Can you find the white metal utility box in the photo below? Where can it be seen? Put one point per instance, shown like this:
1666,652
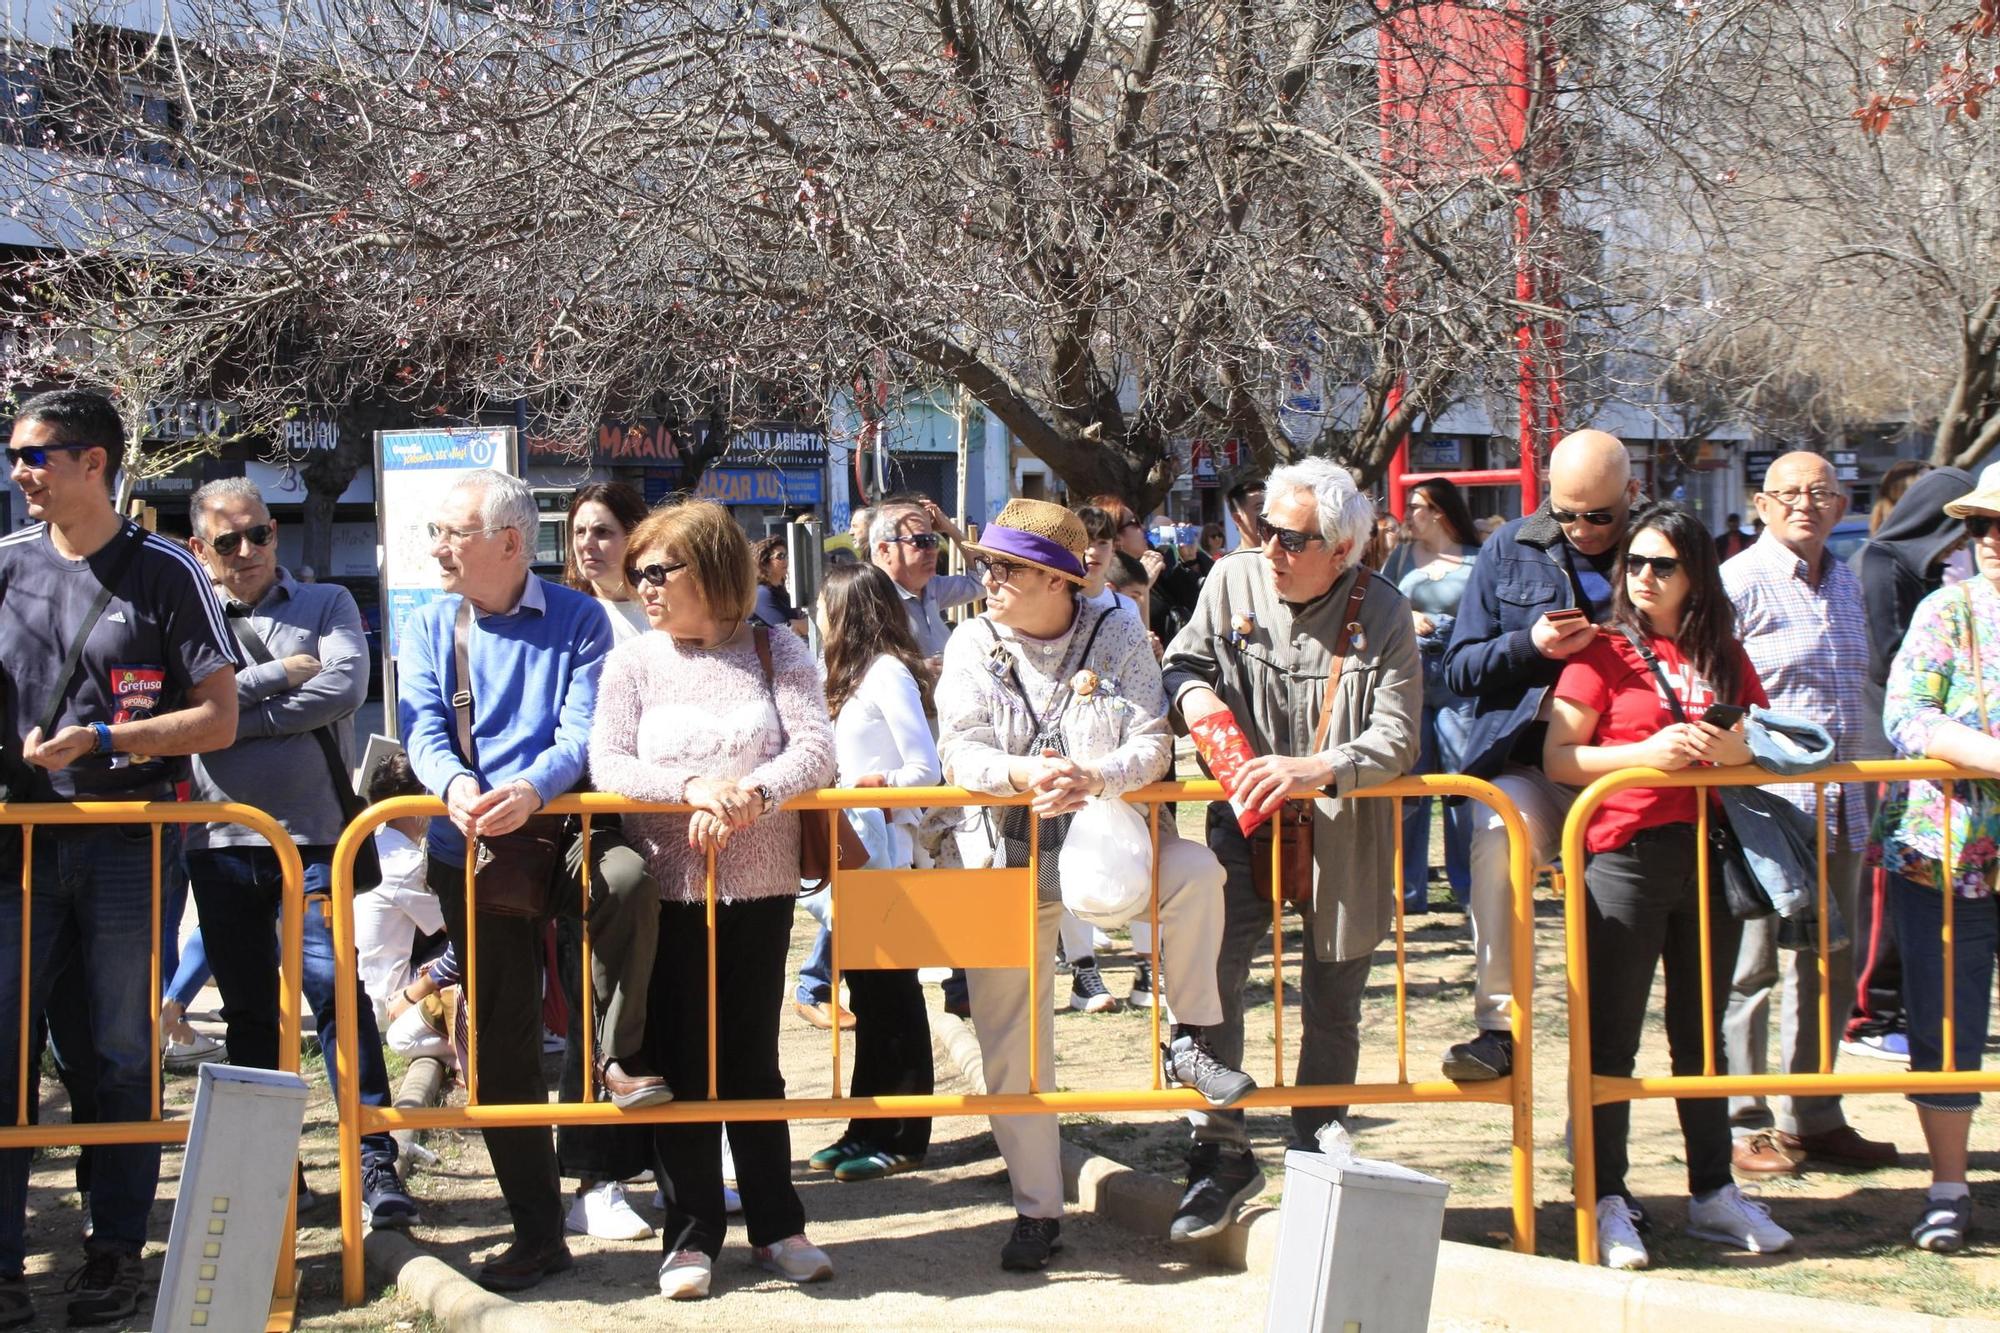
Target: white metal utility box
1357,1247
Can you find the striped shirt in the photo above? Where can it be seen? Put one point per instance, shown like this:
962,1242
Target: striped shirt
1810,648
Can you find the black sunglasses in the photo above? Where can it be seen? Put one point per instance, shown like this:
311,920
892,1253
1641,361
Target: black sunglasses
37,455
653,574
229,542
1293,542
1978,525
923,541
1663,566
1597,518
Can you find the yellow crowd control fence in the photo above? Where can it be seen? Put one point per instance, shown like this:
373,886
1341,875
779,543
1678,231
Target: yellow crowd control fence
158,814
1589,1090
934,918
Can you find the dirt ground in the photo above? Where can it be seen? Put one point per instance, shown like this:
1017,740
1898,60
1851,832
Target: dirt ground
908,1246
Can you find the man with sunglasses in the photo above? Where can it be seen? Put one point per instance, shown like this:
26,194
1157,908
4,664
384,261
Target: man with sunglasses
306,671
109,715
1516,627
1800,615
904,543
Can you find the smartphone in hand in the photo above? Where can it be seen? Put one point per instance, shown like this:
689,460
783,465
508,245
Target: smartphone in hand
1724,716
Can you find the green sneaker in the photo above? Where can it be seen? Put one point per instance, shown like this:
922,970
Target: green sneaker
828,1159
874,1166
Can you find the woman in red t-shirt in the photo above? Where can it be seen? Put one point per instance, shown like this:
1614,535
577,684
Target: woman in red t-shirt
1611,713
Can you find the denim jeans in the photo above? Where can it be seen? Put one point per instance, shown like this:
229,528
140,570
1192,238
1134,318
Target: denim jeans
98,882
1919,916
184,967
239,893
816,973
1439,755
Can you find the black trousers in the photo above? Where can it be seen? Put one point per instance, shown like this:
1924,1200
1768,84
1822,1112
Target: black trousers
892,1055
509,1014
1642,908
751,939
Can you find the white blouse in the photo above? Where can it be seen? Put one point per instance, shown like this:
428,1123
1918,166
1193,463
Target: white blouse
882,729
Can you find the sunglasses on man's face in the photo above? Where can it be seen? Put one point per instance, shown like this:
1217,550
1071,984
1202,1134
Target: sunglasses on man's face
653,575
37,455
229,543
1663,566
1597,518
923,541
1293,542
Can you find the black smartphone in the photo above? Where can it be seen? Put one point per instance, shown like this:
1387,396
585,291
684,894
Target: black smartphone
1724,715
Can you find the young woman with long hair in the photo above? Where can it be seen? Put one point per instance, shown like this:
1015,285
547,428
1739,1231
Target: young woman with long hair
1672,627
601,518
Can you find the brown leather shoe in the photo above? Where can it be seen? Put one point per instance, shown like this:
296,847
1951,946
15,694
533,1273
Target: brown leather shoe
630,1091
1762,1155
822,1016
1840,1147
517,1268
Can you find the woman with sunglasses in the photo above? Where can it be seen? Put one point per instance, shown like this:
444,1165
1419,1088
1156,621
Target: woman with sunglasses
1443,544
1672,627
1942,700
709,711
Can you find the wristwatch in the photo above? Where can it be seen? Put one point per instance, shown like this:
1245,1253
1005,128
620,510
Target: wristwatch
764,795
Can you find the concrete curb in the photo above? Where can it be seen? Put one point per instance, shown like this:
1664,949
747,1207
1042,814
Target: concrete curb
449,1296
1474,1282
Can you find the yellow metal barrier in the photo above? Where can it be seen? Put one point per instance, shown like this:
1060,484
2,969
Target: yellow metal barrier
954,917
21,1134
1589,1090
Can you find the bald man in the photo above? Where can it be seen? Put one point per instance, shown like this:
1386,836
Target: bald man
1506,651
1801,617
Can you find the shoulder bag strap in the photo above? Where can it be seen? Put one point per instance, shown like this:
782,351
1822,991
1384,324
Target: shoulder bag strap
74,656
329,746
1350,628
461,699
1972,652
1645,650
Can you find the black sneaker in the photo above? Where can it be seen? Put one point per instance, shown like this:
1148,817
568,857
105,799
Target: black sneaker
1219,1183
1088,992
1489,1055
385,1204
106,1287
1142,986
1033,1241
15,1307
1188,1063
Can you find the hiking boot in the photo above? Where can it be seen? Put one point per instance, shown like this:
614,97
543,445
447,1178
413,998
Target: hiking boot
1188,1063
1219,1182
106,1287
1088,992
1142,986
1033,1242
1489,1055
385,1204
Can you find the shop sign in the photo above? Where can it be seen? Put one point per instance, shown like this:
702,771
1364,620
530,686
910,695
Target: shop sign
772,487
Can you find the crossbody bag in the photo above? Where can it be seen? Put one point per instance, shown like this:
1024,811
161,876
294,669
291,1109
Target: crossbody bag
514,873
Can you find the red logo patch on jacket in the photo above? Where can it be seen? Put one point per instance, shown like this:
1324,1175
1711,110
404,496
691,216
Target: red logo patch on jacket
135,692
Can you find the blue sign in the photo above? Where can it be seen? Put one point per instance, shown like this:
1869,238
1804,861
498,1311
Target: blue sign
776,488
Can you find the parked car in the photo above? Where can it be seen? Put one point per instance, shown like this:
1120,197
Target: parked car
1846,537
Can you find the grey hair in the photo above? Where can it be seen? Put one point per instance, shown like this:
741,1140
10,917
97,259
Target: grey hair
504,502
882,528
219,491
1345,514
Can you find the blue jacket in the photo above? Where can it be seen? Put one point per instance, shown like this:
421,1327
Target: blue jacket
1520,575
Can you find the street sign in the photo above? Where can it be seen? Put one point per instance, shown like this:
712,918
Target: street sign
423,466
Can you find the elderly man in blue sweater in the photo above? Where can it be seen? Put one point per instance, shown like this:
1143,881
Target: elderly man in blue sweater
533,650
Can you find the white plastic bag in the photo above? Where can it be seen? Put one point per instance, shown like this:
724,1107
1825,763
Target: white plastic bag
1106,863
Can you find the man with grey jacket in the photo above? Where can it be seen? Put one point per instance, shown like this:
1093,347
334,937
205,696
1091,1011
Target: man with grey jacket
1265,635
307,670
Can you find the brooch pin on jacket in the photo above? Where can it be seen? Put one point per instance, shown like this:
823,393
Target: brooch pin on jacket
1241,626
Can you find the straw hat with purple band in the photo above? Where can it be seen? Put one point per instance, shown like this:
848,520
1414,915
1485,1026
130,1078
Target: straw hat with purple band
1038,533
1983,498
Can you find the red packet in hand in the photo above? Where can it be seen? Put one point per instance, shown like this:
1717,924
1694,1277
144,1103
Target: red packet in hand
1224,750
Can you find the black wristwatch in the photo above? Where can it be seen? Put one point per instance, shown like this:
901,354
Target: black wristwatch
764,795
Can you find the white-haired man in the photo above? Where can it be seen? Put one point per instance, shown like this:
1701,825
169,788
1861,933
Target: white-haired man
1327,711
903,541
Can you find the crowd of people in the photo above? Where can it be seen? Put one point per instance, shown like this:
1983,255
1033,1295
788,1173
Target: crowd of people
669,665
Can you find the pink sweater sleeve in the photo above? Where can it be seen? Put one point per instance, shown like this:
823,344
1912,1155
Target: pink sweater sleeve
615,765
807,761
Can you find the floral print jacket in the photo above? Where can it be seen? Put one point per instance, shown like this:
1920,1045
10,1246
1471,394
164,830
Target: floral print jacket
1931,683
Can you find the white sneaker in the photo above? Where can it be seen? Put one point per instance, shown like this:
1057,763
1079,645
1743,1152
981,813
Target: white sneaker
1618,1243
181,1057
684,1276
795,1259
604,1212
1729,1218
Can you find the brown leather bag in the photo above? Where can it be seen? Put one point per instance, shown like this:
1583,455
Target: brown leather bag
513,874
1292,826
815,866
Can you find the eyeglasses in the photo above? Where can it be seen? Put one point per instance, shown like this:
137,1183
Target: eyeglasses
923,541
1663,566
1597,518
1817,497
997,572
229,543
1977,526
1293,542
440,533
655,575
37,455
